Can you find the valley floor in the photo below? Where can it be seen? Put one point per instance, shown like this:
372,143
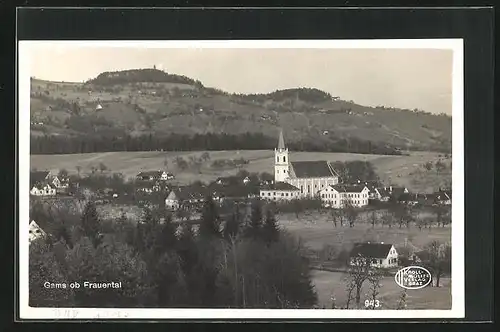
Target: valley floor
405,171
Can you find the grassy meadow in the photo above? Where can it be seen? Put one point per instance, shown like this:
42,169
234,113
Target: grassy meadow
399,170
328,284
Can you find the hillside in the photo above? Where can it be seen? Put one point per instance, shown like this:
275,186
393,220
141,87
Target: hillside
150,101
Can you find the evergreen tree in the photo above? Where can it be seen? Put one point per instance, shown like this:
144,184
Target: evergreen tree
210,221
254,225
166,239
270,228
232,226
90,223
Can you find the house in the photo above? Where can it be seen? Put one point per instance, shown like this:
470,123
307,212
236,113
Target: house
442,198
228,181
42,189
380,255
384,194
147,187
221,193
184,195
154,176
35,232
61,184
279,191
341,195
246,180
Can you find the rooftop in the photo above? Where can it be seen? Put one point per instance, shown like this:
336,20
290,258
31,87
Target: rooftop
349,188
312,169
371,250
280,186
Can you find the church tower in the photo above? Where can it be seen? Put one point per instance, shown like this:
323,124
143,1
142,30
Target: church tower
281,163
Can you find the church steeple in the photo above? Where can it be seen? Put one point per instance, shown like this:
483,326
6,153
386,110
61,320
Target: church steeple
281,141
281,165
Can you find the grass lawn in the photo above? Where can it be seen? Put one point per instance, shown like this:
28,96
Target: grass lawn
317,232
328,284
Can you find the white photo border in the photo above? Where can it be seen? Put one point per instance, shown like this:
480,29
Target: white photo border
458,259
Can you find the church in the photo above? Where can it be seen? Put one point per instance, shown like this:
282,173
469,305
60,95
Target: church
300,179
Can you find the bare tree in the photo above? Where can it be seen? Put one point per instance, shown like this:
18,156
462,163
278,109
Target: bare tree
402,300
437,258
102,167
360,270
351,214
374,278
373,218
78,169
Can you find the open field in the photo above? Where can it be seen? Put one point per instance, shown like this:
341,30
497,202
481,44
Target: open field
318,232
330,284
399,170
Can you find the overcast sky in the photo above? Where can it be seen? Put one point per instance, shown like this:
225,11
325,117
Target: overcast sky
407,78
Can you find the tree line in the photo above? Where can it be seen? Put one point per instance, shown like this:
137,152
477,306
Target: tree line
52,144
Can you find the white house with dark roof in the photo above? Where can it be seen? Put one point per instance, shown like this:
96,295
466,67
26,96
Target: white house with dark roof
279,191
341,195
310,177
381,255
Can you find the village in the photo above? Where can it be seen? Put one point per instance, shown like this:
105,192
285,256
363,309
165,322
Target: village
295,186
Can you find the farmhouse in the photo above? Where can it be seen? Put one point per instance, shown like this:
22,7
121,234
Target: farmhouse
40,184
182,195
279,191
379,255
35,231
342,195
384,194
154,175
308,176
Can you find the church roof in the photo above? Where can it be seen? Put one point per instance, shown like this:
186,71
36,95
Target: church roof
281,141
312,169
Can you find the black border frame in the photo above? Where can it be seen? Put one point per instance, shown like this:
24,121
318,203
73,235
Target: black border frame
475,26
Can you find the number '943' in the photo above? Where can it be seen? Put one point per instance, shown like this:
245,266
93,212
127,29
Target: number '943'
372,304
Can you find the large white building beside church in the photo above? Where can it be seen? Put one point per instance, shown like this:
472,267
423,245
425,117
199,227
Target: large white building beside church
308,177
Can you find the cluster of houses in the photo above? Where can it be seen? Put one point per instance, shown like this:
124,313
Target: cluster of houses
43,183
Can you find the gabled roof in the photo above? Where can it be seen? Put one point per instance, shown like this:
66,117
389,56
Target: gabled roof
371,250
41,185
312,169
349,188
228,180
38,177
441,196
187,193
280,186
391,191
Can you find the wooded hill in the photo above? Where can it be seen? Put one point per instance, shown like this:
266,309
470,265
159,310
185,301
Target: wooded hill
142,103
